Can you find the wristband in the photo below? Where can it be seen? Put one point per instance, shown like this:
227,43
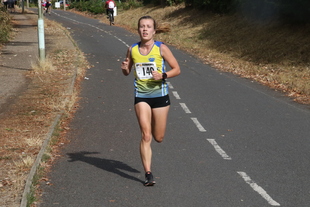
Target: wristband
164,76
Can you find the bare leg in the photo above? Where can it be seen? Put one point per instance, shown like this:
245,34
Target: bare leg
159,122
152,122
144,115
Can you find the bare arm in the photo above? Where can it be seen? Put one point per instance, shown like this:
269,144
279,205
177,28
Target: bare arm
127,63
172,62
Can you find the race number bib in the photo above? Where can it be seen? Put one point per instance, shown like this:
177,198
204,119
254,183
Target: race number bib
144,70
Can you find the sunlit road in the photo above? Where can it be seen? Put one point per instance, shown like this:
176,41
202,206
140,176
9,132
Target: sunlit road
230,142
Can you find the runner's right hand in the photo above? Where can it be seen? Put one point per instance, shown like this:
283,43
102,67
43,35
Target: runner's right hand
125,64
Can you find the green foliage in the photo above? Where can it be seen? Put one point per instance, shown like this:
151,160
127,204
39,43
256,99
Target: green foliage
5,25
130,4
97,6
283,10
218,6
163,2
94,6
295,11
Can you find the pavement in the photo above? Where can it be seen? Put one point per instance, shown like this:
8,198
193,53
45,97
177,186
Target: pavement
17,57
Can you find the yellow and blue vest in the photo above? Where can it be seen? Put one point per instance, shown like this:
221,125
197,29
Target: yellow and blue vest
145,85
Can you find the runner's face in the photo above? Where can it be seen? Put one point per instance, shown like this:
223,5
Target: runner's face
146,29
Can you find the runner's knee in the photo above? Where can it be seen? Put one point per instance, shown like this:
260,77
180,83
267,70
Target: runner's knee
147,137
159,139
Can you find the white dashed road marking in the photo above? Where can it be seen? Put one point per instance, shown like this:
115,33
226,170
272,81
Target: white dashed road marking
176,95
258,189
199,126
219,149
184,107
246,178
170,85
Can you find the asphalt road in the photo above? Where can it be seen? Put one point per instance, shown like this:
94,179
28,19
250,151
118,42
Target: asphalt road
230,142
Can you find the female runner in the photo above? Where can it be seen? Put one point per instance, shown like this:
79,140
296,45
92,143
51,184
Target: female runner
152,102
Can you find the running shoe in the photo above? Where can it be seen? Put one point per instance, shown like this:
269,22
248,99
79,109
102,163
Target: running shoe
149,180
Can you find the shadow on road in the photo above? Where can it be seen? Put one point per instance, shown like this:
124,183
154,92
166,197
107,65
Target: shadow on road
112,166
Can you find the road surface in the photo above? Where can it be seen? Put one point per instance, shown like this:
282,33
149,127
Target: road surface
229,141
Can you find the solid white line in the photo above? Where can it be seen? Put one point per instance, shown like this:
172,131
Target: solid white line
219,149
176,95
199,126
184,107
258,189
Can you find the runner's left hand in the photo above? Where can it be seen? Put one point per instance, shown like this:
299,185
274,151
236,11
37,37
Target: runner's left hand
156,75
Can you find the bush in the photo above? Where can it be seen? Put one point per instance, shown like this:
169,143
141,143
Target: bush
283,10
5,25
163,2
95,7
130,4
218,6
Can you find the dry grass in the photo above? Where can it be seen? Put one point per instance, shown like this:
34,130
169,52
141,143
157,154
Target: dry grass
273,54
24,127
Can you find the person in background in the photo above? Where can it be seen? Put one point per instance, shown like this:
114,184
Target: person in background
152,102
109,5
5,3
11,5
43,3
48,7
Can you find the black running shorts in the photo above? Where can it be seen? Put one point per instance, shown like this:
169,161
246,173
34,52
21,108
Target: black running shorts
155,102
